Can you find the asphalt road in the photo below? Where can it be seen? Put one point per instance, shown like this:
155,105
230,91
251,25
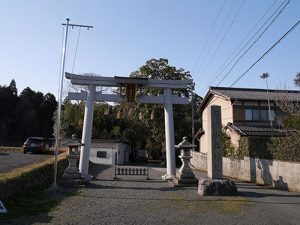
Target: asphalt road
12,160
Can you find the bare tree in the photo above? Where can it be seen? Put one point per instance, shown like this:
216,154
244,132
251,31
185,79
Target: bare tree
297,79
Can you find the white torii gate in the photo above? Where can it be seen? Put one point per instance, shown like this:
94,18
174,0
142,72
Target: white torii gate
90,96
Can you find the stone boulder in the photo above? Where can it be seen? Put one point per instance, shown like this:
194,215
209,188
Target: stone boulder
216,187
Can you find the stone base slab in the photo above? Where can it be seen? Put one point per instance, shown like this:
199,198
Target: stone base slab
184,182
217,187
71,183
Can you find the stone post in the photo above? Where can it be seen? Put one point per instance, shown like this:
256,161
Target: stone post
215,184
214,154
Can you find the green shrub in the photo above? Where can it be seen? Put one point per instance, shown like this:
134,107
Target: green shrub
227,146
254,147
29,178
285,148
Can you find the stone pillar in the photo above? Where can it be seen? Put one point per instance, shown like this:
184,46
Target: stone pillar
214,154
169,132
87,133
215,184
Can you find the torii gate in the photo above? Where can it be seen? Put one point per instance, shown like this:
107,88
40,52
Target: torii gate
90,96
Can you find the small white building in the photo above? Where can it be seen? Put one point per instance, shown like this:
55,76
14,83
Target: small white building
109,152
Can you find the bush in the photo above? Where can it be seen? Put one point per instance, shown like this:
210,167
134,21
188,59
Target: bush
29,178
227,146
285,148
255,147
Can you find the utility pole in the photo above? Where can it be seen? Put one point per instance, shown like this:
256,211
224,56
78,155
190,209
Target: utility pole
57,136
193,116
265,76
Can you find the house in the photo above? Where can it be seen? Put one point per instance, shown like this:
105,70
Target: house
109,152
247,112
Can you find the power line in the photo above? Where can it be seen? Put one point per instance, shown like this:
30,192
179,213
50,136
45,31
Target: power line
208,36
273,46
232,67
76,49
222,68
219,31
224,36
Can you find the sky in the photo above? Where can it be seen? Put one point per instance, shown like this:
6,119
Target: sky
200,36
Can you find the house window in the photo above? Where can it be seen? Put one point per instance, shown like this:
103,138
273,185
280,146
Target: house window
255,114
101,154
259,114
264,114
248,114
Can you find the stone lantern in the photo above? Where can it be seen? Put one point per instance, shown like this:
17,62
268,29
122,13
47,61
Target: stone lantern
185,175
72,175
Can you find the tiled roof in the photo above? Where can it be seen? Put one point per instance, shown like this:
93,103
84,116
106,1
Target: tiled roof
256,94
250,94
245,130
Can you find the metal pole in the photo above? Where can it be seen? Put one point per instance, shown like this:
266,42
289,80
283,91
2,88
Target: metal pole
269,103
193,117
265,76
57,138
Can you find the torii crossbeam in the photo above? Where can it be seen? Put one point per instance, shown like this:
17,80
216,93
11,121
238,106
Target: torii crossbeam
90,96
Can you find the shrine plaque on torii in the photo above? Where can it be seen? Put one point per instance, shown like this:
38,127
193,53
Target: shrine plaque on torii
131,85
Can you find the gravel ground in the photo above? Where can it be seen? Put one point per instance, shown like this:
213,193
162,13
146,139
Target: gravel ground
12,160
135,200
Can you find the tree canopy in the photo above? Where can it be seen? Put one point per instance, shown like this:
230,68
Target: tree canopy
29,114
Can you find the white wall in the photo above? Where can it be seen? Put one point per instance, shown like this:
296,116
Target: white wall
106,161
279,174
199,160
122,154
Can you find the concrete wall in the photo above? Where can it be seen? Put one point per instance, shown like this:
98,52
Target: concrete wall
199,160
280,174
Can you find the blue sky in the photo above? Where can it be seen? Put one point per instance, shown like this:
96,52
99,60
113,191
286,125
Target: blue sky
127,33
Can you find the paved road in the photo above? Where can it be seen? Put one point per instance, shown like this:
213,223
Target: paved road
131,201
12,160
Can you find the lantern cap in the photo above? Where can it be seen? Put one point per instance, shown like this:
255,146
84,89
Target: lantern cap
185,144
74,142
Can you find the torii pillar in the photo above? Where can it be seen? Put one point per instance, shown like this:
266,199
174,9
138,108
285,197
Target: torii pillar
169,132
87,133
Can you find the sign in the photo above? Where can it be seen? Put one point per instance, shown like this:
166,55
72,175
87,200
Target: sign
130,92
2,208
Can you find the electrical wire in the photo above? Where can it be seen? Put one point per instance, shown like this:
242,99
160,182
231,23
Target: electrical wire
225,65
208,36
224,36
273,46
76,49
219,31
232,67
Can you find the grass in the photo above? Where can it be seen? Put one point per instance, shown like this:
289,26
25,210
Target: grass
29,205
222,204
19,171
11,149
32,204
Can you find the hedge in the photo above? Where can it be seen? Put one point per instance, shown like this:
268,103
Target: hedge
277,148
36,176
